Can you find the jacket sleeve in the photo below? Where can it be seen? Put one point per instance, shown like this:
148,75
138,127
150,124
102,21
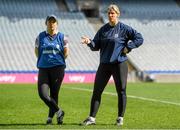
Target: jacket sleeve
95,43
135,39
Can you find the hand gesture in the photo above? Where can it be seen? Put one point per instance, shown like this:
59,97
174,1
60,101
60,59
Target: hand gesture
125,51
85,40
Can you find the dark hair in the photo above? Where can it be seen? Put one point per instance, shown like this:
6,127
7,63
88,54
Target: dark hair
49,17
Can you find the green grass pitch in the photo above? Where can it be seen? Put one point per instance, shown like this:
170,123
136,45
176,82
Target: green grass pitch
149,106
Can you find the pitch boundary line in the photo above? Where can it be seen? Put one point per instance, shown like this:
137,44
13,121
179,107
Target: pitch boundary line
129,96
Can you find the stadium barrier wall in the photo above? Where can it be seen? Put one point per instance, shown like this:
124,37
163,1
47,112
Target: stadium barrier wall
32,78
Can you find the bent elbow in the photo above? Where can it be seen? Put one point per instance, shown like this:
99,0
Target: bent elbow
66,52
141,41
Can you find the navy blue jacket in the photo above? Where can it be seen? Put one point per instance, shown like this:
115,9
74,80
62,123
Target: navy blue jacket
111,40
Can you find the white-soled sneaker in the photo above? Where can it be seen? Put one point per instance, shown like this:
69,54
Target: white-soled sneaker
119,121
89,121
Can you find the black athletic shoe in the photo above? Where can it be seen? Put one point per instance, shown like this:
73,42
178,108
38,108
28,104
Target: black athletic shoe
49,122
60,118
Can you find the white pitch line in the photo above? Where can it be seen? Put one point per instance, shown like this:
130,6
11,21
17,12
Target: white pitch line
130,96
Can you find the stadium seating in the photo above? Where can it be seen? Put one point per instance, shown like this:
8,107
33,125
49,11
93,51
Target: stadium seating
22,21
159,23
71,4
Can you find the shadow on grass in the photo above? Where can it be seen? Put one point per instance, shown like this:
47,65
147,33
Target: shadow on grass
36,124
22,124
64,124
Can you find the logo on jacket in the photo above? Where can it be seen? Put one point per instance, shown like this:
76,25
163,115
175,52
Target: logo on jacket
116,35
57,46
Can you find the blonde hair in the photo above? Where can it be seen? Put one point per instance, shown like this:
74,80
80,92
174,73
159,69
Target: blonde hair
115,8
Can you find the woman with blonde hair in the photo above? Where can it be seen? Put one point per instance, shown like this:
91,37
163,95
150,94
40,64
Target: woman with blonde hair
114,40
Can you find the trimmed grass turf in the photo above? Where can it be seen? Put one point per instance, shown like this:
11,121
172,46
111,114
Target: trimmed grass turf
20,107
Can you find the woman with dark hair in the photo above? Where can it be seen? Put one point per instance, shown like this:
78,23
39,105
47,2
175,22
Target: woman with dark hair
51,49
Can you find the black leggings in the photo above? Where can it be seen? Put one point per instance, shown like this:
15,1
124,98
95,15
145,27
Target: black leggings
119,72
50,78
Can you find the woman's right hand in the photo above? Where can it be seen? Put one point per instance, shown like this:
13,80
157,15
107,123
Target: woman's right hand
85,40
125,50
